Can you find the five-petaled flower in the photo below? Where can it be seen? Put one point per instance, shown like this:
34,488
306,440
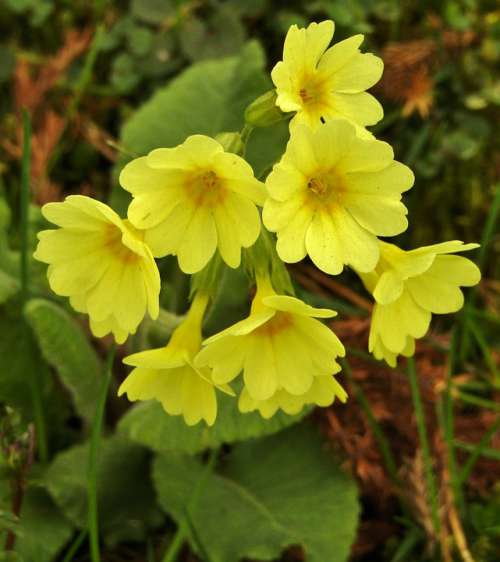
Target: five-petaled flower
101,263
332,194
280,345
320,84
193,199
408,286
167,374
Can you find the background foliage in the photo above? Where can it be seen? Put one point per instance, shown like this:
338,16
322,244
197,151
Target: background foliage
104,81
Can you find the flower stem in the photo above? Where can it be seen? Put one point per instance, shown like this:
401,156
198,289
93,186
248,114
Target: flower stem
25,202
36,393
183,528
424,443
93,459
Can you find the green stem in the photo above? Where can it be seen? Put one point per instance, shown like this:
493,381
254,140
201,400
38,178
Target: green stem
93,458
478,401
378,433
36,393
477,452
424,443
183,528
25,202
446,417
68,557
485,350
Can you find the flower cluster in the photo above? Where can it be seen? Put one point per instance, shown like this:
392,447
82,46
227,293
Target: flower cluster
333,193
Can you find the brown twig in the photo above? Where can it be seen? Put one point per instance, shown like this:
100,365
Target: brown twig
334,286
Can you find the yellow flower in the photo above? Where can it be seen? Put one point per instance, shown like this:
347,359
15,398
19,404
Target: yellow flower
168,375
101,263
320,84
193,199
279,346
408,287
323,392
332,194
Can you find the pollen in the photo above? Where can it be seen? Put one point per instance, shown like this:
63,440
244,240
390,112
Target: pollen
328,187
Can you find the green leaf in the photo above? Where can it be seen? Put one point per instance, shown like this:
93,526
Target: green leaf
152,11
208,98
20,362
274,492
148,424
44,530
66,348
220,34
126,500
9,286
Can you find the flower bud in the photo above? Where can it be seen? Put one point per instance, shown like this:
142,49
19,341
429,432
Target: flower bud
231,142
263,111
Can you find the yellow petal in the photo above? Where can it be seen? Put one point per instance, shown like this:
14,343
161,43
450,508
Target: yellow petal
304,47
361,73
339,55
238,177
243,327
389,287
259,373
323,245
366,156
285,182
199,241
291,244
361,108
296,306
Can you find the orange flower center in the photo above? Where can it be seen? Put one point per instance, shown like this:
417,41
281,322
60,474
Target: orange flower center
205,188
328,187
277,324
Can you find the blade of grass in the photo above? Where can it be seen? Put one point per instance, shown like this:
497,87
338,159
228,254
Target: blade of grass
378,433
95,440
183,528
72,550
489,229
424,443
79,89
446,419
36,392
478,401
412,537
25,202
487,452
486,237
483,346
477,451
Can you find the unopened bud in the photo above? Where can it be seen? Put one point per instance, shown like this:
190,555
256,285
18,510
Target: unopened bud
231,142
263,111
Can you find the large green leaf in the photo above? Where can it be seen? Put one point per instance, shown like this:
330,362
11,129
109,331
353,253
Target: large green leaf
207,98
274,492
148,424
20,363
66,348
126,499
43,529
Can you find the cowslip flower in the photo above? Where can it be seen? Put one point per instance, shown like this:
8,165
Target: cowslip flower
280,345
194,199
323,392
410,286
332,194
320,84
168,374
101,263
